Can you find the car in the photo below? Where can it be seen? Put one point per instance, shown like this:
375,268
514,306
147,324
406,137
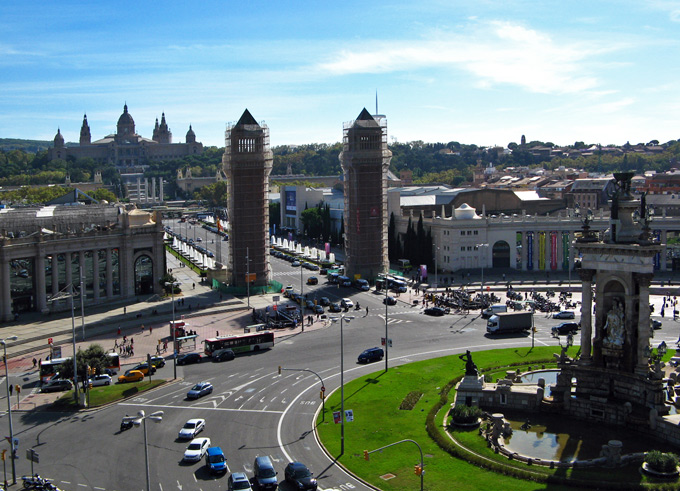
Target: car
309,304
334,307
566,328
223,355
110,372
656,324
436,311
390,300
99,380
199,240
57,385
189,358
370,355
144,368
362,285
312,280
297,474
325,301
264,474
199,390
131,376
215,460
238,481
318,309
346,303
295,264
565,314
288,291
323,271
191,428
158,361
196,449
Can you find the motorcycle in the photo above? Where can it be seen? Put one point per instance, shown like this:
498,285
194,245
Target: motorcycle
37,482
126,424
357,307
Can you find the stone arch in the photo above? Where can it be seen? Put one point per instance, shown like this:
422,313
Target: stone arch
500,254
143,273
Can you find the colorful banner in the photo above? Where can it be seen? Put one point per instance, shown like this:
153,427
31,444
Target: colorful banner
423,272
541,251
657,256
327,247
291,204
530,251
565,251
553,250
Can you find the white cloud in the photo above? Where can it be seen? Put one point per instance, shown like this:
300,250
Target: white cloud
670,6
494,52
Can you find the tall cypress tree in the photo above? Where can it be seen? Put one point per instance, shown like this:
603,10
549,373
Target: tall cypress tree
408,241
421,252
392,240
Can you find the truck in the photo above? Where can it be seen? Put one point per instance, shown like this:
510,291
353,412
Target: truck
504,322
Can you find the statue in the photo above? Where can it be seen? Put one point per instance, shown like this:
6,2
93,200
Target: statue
614,327
470,367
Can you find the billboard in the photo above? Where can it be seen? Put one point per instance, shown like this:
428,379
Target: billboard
291,202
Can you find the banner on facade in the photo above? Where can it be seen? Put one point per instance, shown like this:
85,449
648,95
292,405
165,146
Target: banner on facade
565,251
530,251
553,250
541,251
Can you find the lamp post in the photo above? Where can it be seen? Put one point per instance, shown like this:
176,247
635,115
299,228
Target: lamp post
387,339
248,274
9,404
174,333
481,262
140,419
342,318
59,296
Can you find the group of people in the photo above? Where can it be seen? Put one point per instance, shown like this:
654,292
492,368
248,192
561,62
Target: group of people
125,348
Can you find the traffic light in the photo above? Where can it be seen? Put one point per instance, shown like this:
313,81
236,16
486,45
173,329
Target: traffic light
322,393
366,456
418,470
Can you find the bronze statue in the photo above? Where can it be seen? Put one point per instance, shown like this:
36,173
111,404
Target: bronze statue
470,367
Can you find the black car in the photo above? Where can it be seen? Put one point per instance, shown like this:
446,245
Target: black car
370,355
299,476
223,355
324,301
436,311
390,301
57,385
189,358
334,307
566,328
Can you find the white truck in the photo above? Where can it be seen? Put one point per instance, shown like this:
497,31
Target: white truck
504,322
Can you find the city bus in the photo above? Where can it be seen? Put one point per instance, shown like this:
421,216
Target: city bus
240,343
49,368
394,283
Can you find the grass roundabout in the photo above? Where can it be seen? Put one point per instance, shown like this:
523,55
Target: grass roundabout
411,402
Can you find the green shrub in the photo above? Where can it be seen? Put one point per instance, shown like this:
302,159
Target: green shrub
410,400
661,462
462,414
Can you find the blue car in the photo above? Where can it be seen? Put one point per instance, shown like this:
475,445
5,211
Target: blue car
199,390
215,460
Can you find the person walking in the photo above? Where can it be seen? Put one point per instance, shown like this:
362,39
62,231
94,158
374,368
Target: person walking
35,362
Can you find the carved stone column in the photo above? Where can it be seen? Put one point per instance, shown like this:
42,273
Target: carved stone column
109,274
644,326
586,315
5,290
95,274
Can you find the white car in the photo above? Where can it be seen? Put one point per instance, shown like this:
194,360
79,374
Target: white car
98,380
191,428
346,302
196,449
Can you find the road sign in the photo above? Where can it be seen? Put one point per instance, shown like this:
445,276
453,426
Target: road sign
32,455
276,298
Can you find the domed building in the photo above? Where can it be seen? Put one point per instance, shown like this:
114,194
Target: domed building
125,148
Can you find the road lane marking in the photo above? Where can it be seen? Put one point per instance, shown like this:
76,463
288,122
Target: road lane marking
165,406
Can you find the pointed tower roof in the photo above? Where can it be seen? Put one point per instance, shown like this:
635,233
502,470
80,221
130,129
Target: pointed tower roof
246,119
58,136
365,120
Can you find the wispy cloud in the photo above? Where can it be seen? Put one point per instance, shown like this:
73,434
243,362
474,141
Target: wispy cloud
670,6
494,52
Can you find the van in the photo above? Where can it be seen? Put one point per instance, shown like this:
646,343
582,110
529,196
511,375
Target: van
362,285
370,355
494,309
215,460
333,278
264,474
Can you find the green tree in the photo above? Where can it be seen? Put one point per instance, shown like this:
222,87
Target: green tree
93,357
104,194
312,222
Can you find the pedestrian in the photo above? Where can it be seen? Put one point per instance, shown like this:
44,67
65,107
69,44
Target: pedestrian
39,362
150,329
132,341
124,339
124,310
35,362
142,328
119,330
217,334
115,343
194,286
366,309
11,389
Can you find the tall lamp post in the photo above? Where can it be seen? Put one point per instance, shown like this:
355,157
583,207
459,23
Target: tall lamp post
342,318
138,420
174,333
387,339
59,296
9,404
482,261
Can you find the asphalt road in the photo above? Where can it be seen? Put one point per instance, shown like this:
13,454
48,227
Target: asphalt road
253,410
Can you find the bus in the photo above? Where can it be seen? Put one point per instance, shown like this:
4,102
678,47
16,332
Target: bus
394,283
240,343
50,368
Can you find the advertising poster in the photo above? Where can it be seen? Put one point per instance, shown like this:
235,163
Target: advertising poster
290,202
565,249
337,417
327,247
541,251
349,415
553,250
530,251
423,272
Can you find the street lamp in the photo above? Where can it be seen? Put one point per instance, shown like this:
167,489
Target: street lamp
334,319
9,404
174,333
140,419
482,260
59,296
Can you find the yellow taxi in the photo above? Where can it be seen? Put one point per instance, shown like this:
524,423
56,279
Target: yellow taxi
131,376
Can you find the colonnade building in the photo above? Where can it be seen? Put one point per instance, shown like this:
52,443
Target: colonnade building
116,253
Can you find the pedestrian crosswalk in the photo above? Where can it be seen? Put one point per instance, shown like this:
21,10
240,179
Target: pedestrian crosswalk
392,320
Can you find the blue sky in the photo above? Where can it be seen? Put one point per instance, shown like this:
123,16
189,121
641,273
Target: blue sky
482,72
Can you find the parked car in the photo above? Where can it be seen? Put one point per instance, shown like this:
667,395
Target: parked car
656,324
189,358
295,264
199,390
334,307
323,271
215,460
390,301
312,280
318,309
325,301
57,385
158,361
196,449
223,355
566,328
297,474
144,368
99,380
191,428
346,303
436,311
131,376
565,314
238,481
370,355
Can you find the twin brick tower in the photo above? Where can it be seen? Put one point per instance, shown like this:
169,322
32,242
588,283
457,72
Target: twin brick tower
247,162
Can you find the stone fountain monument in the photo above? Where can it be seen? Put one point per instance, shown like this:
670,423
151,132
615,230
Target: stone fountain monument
612,382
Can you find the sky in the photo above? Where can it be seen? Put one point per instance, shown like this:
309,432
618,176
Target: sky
483,72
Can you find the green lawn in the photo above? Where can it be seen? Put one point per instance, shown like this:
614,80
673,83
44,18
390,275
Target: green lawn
378,421
100,396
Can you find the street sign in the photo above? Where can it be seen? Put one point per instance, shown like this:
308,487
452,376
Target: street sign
49,340
32,455
337,417
276,298
349,415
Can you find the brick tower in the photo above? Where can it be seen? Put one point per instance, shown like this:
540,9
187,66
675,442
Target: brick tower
247,163
365,160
